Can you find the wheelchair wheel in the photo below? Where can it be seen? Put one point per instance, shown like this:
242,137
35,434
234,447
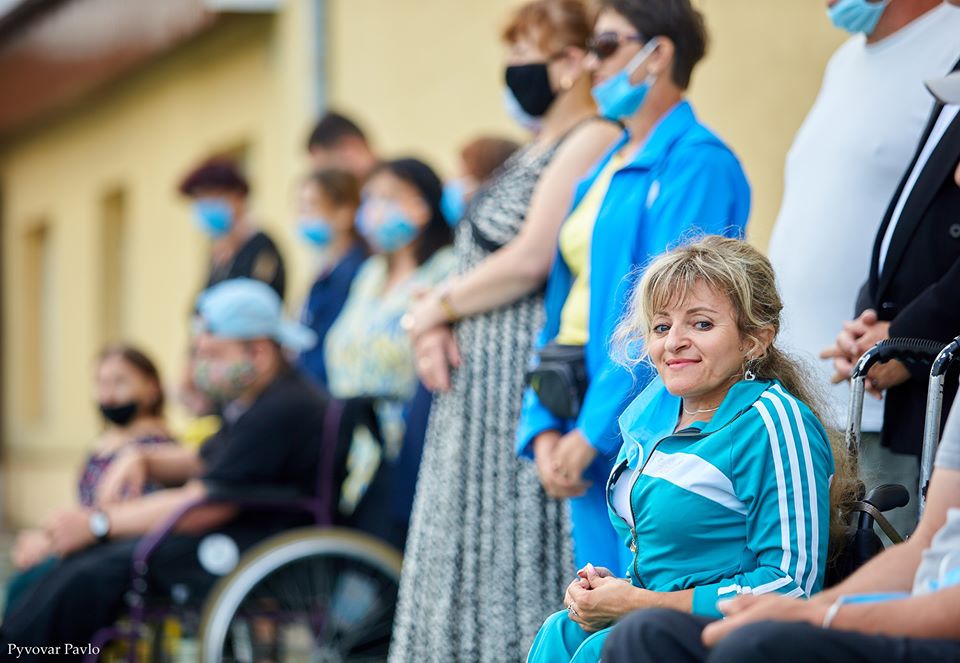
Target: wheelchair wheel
308,595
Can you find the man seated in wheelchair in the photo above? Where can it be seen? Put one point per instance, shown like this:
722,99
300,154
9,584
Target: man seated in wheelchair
273,421
722,485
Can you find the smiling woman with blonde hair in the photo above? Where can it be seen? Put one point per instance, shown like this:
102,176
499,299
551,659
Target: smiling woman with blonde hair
722,485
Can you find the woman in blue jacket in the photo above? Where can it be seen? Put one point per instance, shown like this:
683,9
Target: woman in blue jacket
723,483
669,177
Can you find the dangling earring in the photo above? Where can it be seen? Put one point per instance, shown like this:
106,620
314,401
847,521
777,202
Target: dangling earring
748,375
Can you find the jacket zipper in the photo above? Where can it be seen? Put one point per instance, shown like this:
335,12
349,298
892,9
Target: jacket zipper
634,545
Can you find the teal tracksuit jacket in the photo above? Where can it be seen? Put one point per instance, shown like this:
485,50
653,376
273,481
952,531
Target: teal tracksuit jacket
738,505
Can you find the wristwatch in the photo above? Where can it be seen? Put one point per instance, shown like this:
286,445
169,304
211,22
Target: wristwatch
99,524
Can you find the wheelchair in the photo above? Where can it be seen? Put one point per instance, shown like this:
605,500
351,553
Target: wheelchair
323,593
861,541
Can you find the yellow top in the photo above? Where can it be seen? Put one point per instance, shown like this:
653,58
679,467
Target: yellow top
198,430
575,236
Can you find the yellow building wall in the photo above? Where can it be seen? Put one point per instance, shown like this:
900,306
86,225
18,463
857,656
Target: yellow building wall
245,85
423,76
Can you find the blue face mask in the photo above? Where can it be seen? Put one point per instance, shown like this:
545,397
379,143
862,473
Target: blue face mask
857,15
213,216
315,231
518,115
453,203
388,234
616,97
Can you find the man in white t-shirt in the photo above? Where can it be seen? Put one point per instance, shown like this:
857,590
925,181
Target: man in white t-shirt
842,169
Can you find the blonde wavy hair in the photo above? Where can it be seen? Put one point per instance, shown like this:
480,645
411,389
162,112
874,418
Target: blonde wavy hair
740,272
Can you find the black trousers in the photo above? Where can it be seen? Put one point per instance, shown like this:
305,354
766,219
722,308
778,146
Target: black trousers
85,591
657,635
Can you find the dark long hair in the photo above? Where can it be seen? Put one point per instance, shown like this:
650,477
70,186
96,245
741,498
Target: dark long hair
141,363
437,233
677,19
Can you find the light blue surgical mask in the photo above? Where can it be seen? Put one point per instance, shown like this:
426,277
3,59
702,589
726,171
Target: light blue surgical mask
617,97
518,115
453,203
315,231
393,231
213,216
857,15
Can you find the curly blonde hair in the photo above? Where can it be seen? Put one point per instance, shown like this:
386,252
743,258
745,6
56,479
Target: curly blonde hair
736,269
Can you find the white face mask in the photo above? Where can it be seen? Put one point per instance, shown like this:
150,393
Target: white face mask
518,115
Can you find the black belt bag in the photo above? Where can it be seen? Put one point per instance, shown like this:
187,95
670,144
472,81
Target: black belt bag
560,379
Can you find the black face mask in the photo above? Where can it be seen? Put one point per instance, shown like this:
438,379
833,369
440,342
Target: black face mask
530,84
121,415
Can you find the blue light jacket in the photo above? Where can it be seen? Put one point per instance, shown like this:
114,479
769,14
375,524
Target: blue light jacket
684,181
738,505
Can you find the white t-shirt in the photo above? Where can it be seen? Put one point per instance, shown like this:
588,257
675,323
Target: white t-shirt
842,170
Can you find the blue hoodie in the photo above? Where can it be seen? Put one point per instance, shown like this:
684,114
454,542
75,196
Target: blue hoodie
682,181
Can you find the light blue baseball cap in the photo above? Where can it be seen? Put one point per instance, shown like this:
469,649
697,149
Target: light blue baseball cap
245,309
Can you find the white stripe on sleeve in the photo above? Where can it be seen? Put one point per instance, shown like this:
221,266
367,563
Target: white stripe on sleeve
774,585
811,489
800,517
781,486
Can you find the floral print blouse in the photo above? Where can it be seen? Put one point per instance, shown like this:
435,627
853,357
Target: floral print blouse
367,353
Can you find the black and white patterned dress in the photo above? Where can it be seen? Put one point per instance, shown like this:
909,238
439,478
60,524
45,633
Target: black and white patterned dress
488,555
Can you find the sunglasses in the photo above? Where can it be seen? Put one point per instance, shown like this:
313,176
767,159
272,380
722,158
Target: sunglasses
605,44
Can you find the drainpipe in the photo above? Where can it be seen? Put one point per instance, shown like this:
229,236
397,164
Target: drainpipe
318,69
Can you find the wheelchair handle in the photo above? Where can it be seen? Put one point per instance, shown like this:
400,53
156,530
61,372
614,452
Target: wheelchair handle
947,356
911,351
931,423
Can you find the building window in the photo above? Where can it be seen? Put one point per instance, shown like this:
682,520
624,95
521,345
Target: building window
113,273
38,300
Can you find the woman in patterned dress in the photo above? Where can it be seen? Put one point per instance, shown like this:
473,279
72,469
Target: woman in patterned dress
489,551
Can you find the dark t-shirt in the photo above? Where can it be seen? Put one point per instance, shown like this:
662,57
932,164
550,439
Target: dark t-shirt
257,259
276,442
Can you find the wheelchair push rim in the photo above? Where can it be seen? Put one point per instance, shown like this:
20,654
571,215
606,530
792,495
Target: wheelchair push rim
311,579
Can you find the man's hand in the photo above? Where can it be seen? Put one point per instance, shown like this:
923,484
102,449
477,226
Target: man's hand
747,609
573,455
69,531
436,352
31,547
881,376
123,479
844,350
876,332
857,337
886,375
